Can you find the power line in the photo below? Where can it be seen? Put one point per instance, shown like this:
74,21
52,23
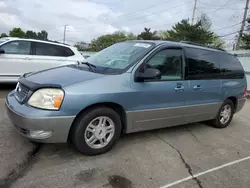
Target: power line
149,7
162,20
221,8
226,27
152,13
229,34
209,5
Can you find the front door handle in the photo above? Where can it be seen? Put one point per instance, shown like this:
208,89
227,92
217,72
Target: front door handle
197,87
179,88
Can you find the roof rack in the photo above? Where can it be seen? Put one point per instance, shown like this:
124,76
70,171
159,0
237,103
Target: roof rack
198,44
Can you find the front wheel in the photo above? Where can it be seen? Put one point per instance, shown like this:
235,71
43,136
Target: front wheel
96,131
224,115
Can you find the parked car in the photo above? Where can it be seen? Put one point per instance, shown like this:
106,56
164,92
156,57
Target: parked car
129,87
19,56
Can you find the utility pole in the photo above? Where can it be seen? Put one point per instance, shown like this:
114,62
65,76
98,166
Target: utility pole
195,3
242,25
64,33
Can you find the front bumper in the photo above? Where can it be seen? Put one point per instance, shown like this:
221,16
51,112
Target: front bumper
26,119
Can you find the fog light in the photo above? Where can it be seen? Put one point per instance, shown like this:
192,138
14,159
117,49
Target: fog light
40,134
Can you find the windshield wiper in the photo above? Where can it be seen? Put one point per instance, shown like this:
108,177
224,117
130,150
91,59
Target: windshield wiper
91,66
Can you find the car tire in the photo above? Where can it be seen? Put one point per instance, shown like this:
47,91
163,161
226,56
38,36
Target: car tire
89,126
218,122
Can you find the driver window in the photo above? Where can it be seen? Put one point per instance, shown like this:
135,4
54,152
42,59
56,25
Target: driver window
17,47
168,62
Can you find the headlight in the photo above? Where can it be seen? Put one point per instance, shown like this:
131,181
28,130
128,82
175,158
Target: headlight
49,98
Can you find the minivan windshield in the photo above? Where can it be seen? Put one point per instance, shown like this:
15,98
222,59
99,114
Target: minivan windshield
116,58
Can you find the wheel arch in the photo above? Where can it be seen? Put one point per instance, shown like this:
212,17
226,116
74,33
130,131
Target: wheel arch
115,106
234,100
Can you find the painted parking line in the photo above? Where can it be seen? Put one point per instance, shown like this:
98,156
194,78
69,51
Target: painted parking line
246,140
205,172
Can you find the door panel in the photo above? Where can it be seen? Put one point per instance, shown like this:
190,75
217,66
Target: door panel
12,64
38,63
159,103
204,93
205,101
13,61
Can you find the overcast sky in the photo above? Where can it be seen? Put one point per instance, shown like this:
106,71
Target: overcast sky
87,19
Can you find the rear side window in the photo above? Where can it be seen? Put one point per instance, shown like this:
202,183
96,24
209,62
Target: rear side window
52,50
231,67
17,47
201,64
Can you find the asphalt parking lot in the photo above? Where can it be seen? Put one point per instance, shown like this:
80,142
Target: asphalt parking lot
194,155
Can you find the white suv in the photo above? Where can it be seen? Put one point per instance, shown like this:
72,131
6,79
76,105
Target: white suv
19,56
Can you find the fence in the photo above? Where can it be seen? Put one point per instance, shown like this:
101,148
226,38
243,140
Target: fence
244,57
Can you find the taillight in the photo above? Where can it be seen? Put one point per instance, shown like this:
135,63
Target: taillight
245,92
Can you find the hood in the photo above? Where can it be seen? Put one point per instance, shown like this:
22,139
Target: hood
61,76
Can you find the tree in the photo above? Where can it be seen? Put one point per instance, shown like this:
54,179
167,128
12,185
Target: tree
163,35
131,36
43,35
148,35
245,39
17,32
105,41
184,31
82,46
205,21
3,35
30,34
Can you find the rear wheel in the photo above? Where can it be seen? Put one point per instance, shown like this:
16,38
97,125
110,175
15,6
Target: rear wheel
224,115
96,131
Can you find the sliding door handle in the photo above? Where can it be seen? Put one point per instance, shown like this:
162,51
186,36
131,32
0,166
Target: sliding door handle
179,88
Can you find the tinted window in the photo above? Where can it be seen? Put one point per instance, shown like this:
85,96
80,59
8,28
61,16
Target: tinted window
201,64
230,66
52,50
17,47
168,62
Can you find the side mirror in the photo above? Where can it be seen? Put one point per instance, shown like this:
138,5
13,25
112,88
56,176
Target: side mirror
2,51
148,74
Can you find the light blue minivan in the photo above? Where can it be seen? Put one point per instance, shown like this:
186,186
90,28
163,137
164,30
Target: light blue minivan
128,87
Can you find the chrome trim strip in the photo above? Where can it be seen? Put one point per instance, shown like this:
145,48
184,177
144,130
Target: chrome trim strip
156,109
141,121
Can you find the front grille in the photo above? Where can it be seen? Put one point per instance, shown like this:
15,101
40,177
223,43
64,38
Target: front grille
21,92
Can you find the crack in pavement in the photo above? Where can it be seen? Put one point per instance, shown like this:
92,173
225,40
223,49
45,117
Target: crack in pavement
21,169
192,134
188,167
